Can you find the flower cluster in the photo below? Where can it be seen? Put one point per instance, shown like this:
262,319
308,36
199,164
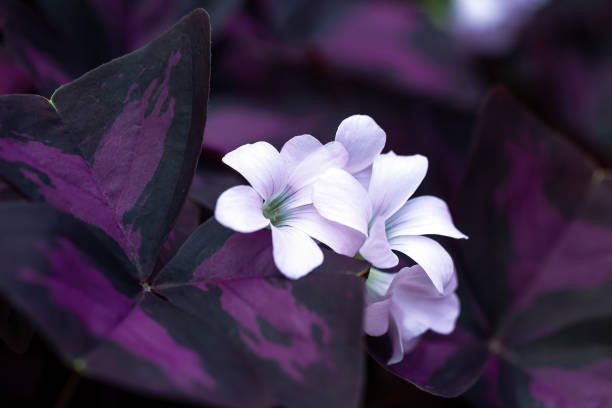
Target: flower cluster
353,198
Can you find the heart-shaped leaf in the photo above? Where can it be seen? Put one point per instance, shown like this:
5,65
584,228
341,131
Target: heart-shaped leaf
218,325
539,266
117,147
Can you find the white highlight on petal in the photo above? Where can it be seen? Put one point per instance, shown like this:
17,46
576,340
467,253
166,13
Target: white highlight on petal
434,259
394,180
341,239
261,165
378,283
363,139
376,249
295,253
480,14
423,216
240,209
339,197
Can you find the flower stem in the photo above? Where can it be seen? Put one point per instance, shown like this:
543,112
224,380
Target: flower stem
68,391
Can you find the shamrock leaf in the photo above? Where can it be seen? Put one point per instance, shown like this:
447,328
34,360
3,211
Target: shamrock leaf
537,273
115,151
219,318
117,147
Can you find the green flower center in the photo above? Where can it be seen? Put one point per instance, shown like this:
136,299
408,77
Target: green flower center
274,208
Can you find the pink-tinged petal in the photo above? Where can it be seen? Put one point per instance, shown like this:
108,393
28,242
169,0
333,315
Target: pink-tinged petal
332,155
363,139
261,165
341,239
364,176
414,293
240,209
376,318
394,179
339,197
295,253
376,248
422,216
297,149
434,259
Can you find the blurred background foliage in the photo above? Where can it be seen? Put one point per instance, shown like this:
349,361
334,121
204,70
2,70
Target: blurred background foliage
281,68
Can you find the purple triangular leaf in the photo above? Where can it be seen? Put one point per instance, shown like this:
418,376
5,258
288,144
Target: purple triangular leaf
537,262
201,332
126,136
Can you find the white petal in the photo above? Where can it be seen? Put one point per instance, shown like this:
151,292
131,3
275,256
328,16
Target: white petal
240,208
378,283
295,253
332,155
414,293
364,176
409,327
261,165
363,139
376,318
297,149
422,216
376,248
341,239
394,180
397,344
434,259
340,198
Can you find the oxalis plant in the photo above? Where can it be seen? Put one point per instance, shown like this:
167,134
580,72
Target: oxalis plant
267,302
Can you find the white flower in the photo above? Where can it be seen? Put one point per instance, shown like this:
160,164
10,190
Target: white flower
387,217
406,305
491,25
279,197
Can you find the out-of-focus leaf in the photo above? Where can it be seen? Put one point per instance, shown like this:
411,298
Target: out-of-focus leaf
207,329
13,78
563,68
391,43
126,136
539,265
208,184
15,332
55,41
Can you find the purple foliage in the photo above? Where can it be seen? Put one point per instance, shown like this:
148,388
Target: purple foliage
105,280
535,274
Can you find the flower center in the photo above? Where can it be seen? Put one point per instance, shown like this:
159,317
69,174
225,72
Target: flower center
275,208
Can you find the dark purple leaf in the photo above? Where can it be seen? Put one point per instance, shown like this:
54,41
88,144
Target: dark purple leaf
187,222
127,135
539,266
13,78
56,41
391,43
15,331
564,69
213,327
